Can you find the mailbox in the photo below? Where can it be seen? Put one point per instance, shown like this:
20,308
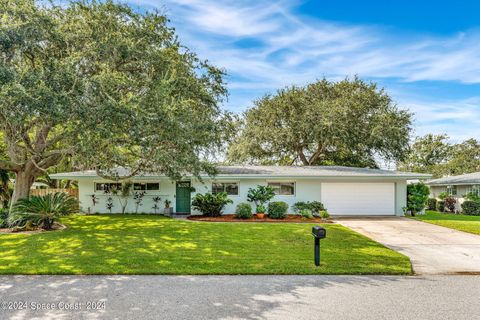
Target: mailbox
319,232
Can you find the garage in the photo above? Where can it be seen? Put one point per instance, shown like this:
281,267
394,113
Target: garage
359,198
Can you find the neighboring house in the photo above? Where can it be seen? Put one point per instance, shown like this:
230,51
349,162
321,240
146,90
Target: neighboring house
343,190
456,186
35,185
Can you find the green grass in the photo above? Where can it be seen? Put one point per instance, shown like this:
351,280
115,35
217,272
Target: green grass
455,221
107,244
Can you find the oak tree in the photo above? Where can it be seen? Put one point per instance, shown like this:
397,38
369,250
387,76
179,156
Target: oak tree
350,122
107,86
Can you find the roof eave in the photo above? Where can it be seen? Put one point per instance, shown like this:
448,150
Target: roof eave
61,176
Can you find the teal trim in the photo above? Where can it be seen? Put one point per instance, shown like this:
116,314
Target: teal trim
183,197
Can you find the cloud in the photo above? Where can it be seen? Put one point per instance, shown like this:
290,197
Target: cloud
460,119
266,45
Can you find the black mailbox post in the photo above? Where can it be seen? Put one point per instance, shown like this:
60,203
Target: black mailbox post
318,233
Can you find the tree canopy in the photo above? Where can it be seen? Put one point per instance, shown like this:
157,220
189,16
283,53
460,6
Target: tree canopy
106,86
437,155
349,122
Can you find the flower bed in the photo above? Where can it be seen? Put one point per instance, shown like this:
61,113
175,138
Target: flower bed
231,218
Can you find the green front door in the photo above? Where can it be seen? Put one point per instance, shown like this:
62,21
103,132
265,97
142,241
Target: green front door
183,197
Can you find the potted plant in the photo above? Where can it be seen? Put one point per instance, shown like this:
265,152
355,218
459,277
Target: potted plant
168,211
260,196
260,211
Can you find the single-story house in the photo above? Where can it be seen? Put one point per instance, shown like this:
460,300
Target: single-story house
456,186
35,185
343,190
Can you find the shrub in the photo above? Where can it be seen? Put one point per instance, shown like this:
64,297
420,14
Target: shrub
441,206
260,209
471,208
472,197
306,213
450,204
417,195
3,218
123,194
260,195
442,195
432,204
324,214
211,205
277,210
42,211
314,206
243,211
299,206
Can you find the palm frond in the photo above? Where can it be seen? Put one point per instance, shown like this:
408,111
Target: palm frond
43,211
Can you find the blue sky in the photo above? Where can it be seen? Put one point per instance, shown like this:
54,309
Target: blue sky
425,53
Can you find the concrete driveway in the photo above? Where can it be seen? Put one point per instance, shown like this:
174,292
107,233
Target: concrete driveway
432,249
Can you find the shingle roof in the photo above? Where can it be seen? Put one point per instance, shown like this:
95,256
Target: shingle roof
469,178
272,171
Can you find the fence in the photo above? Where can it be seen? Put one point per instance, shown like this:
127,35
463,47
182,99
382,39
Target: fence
42,192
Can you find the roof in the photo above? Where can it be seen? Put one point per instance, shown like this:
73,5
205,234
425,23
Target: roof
464,179
269,171
35,183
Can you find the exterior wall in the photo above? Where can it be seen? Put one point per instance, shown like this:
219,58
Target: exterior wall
400,197
306,189
461,192
87,189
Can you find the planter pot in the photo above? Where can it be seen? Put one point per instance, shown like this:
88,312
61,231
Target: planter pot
260,215
168,211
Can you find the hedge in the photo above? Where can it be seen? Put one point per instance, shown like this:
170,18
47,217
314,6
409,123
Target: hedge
432,204
441,206
471,208
277,210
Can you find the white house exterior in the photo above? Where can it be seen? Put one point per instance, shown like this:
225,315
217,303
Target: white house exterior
456,186
343,190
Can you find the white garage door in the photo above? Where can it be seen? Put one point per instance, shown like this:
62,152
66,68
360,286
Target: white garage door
359,198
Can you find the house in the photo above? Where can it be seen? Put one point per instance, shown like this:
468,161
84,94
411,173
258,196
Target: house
35,186
456,186
343,190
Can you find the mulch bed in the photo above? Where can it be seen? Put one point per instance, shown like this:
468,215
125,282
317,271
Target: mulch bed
55,227
231,218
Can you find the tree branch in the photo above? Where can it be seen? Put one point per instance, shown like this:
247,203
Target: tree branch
41,138
302,156
9,166
316,154
49,161
117,177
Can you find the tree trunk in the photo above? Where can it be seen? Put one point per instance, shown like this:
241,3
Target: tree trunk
23,182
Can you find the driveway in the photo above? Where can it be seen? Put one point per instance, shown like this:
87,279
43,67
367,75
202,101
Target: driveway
241,297
432,249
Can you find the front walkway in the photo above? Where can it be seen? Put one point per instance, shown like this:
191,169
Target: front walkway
432,249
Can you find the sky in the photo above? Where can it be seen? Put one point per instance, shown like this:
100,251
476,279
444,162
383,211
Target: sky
426,54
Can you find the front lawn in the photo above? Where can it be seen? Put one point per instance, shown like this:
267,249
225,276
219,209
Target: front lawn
455,221
146,244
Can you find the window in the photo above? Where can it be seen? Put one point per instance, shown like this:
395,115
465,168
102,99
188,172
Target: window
106,187
283,188
153,186
146,186
451,190
475,189
231,188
